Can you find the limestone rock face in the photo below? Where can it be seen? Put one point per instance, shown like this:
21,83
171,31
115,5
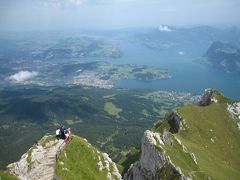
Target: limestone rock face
151,159
234,109
38,163
208,97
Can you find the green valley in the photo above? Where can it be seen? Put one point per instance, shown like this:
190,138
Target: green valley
112,120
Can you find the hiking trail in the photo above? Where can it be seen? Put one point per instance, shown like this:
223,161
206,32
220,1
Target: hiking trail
39,163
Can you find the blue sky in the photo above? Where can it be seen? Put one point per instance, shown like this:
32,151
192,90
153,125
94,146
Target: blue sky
24,15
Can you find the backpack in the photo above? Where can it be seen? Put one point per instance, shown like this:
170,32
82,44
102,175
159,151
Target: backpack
58,132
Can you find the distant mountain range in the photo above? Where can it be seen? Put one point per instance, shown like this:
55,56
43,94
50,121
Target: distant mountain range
223,56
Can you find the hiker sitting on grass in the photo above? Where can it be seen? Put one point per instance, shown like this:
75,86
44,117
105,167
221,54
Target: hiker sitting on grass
64,134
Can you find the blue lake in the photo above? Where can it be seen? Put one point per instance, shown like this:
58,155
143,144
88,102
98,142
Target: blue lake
187,75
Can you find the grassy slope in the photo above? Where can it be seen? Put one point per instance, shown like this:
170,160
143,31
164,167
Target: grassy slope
81,162
217,158
4,175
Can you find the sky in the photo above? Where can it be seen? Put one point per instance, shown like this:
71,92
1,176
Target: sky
30,15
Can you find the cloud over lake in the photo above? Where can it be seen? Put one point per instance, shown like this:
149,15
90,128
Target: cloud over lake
23,76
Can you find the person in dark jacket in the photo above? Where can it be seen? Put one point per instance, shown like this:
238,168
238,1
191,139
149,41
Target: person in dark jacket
62,132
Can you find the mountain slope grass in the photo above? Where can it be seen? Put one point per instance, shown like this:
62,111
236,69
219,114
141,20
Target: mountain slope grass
213,137
4,175
80,160
207,144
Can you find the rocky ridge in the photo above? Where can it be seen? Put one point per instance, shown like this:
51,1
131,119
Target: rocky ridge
152,160
161,147
39,162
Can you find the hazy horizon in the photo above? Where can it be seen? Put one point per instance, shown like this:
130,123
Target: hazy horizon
47,15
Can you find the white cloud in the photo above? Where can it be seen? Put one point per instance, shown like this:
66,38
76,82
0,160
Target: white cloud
181,53
164,28
22,76
77,2
62,3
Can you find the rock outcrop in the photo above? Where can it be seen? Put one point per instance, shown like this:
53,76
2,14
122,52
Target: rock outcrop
39,162
208,97
174,120
151,160
234,109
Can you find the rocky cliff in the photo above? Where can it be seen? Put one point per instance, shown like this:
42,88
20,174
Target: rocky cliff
153,161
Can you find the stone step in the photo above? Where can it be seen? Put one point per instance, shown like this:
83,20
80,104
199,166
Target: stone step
48,170
46,163
51,157
47,173
47,177
49,164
